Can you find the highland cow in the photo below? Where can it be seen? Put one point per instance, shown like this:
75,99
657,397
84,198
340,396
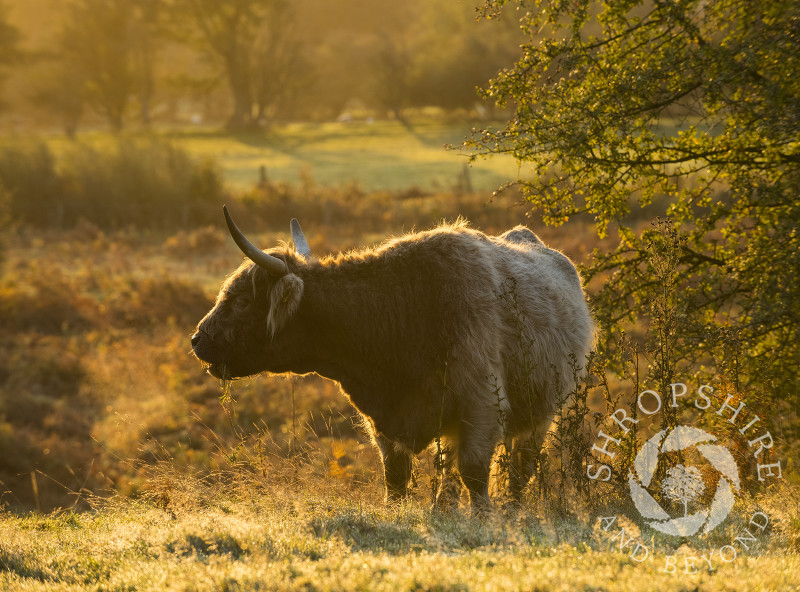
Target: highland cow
447,336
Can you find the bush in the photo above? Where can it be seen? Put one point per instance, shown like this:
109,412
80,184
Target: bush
205,240
350,209
32,187
147,184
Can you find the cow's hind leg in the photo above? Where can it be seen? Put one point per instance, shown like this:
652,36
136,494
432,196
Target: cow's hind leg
396,468
475,450
525,456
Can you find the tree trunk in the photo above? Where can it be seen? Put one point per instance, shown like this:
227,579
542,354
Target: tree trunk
240,90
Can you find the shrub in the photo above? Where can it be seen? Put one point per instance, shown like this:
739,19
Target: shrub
147,184
202,241
31,185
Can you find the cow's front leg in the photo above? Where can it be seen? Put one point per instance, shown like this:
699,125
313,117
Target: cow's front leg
474,471
449,490
396,467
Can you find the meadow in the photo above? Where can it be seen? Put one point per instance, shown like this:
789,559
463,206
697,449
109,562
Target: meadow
372,155
124,467
292,539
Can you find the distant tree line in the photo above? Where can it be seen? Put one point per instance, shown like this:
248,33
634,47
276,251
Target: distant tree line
251,62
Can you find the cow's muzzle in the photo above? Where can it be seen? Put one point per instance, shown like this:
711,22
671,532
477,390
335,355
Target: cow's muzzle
196,340
206,349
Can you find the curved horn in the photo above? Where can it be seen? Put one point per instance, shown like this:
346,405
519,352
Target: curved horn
272,264
299,239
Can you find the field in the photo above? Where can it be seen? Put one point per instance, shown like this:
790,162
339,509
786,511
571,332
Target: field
124,467
292,539
372,155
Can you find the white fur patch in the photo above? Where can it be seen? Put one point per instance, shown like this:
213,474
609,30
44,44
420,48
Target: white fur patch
284,300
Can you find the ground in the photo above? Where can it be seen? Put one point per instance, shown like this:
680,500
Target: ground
282,539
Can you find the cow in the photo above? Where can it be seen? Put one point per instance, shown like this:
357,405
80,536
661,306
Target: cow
447,336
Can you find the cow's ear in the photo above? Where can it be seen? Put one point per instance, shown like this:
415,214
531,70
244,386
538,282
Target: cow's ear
284,300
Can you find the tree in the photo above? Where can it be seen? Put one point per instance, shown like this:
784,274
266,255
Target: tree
97,42
9,40
693,105
230,31
104,59
147,33
391,67
279,68
60,89
454,55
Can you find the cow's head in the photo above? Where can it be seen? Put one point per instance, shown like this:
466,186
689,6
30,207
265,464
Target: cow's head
254,304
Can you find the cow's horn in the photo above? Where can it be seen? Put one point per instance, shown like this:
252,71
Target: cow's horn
300,242
272,264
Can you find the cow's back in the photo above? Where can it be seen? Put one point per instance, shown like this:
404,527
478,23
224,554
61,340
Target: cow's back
548,327
502,311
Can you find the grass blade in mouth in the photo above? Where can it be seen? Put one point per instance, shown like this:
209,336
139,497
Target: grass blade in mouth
227,385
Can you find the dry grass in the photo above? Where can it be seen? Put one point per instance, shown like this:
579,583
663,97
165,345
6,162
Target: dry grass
276,537
102,407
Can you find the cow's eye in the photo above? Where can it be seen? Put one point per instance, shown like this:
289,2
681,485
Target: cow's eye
241,303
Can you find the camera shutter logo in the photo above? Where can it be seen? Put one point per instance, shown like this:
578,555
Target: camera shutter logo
683,483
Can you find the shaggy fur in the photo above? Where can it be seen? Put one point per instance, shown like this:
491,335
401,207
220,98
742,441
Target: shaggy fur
448,333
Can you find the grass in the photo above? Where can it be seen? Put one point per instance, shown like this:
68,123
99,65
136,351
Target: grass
382,155
290,538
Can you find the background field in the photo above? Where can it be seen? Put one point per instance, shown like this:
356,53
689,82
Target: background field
374,156
123,466
378,155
